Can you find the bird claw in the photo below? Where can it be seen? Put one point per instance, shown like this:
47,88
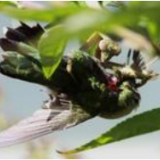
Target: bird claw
60,102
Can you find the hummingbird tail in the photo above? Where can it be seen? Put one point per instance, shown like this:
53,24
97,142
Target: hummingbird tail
21,59
25,34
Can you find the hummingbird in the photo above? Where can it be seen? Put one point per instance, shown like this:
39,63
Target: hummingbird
81,88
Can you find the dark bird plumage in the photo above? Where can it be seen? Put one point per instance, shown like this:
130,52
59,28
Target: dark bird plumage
82,92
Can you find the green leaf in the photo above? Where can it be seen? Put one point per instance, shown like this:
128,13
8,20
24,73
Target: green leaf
51,47
8,4
91,45
44,15
30,14
82,25
79,3
140,124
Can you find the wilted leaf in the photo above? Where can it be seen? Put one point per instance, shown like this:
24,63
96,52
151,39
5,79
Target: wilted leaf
140,124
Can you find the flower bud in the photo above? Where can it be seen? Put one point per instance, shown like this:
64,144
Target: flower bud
103,44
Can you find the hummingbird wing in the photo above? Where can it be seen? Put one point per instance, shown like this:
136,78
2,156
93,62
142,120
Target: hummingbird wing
138,60
21,58
44,121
